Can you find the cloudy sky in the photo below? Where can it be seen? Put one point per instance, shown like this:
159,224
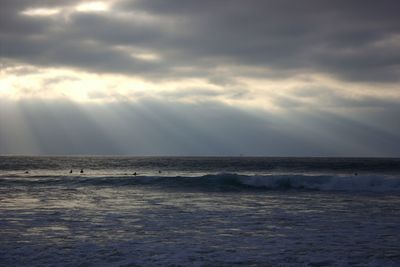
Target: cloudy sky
209,77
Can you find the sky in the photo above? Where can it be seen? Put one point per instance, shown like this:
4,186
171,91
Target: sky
200,78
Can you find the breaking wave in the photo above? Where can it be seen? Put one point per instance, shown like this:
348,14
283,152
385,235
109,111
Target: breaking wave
223,181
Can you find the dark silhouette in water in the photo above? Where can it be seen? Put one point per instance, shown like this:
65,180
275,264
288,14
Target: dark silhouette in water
159,171
26,172
135,173
70,171
81,171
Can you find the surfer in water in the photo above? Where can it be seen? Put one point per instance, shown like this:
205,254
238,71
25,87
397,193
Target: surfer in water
81,171
70,171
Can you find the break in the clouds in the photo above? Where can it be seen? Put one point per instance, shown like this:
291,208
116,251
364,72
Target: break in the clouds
350,40
315,64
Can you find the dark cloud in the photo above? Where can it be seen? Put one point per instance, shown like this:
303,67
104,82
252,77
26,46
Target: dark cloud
200,92
332,98
13,23
290,35
334,37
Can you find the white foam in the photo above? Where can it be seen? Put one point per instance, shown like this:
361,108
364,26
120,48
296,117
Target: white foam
370,183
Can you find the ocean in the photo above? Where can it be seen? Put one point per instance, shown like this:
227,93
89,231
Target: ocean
199,211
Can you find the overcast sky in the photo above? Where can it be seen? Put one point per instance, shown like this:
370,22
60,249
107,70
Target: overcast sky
209,77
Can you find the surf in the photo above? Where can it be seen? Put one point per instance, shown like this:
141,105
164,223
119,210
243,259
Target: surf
223,182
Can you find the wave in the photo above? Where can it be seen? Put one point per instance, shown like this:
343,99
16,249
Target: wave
370,183
223,182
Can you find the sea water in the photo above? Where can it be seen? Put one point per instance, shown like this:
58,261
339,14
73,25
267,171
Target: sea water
180,211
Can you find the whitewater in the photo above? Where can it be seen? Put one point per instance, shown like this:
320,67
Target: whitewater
180,211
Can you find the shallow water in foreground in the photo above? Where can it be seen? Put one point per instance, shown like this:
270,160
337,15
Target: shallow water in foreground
147,225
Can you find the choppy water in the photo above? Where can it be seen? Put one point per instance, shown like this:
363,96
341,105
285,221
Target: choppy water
199,212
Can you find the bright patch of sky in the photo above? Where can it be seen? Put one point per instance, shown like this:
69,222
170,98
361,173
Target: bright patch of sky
92,7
